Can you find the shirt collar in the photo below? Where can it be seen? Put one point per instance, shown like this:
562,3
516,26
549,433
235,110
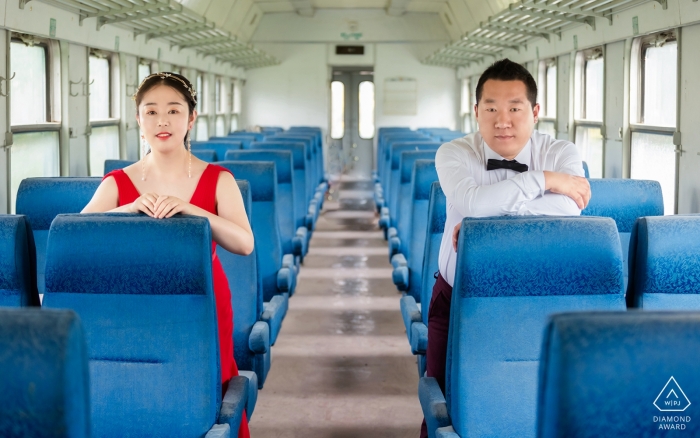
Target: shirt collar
524,157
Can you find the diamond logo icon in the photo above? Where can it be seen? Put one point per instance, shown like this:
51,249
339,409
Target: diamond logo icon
672,398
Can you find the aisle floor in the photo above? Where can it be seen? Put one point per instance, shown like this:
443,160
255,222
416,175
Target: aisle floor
342,367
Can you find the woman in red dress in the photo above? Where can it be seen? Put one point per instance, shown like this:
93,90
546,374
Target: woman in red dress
169,180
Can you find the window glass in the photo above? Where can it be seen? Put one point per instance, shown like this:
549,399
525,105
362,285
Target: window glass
104,145
29,86
200,94
547,127
467,123
551,94
219,97
237,97
234,123
38,154
594,90
659,89
366,109
144,71
337,109
465,97
220,126
202,129
590,144
99,88
654,158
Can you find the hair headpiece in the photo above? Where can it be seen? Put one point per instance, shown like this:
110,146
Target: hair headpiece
166,75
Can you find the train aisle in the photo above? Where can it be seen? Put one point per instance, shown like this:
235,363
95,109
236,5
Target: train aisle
341,367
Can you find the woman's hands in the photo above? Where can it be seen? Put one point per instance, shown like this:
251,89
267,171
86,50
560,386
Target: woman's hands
160,206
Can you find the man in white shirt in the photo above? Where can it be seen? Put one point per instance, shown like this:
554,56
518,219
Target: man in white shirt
507,168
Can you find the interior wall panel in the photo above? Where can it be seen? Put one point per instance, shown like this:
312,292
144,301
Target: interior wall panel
689,160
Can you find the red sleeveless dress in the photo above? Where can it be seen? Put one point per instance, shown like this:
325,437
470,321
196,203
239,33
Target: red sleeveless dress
204,197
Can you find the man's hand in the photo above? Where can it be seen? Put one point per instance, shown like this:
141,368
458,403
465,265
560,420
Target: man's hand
455,235
575,187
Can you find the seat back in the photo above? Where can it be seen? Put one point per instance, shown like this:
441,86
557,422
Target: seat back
624,200
605,374
112,165
287,214
511,274
245,138
148,310
384,154
246,301
404,201
42,199
391,190
302,195
17,263
437,213
318,136
312,179
220,147
424,175
44,391
262,177
664,268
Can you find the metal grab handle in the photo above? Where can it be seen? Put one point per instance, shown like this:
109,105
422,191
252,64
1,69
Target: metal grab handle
70,87
6,80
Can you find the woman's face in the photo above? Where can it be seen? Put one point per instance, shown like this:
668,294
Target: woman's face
164,118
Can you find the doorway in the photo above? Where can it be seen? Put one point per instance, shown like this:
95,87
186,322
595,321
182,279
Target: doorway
352,122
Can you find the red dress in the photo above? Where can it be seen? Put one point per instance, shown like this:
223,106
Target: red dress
204,197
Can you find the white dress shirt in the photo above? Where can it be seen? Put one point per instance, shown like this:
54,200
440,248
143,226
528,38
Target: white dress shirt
472,191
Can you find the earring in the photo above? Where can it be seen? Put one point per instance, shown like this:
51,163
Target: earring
189,150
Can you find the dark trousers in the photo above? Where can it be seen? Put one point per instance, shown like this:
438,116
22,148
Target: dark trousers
438,327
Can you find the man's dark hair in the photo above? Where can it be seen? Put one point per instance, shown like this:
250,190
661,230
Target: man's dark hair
507,70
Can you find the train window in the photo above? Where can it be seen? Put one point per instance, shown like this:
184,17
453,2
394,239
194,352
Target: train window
99,87
104,138
35,147
220,126
366,109
547,96
144,69
337,109
588,108
235,104
653,112
466,107
202,127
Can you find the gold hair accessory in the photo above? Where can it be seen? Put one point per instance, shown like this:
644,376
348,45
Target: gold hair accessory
166,75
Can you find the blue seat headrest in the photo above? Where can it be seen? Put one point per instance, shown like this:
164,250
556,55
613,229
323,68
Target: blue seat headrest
208,155
262,176
282,160
624,200
537,256
396,148
113,253
44,390
424,174
296,148
220,146
112,165
41,199
437,209
666,254
593,363
408,158
17,262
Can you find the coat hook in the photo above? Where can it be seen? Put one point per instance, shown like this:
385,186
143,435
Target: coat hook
70,87
86,88
6,81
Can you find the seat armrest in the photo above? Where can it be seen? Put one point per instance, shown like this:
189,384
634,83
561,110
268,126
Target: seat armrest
384,221
234,402
433,403
259,340
252,392
219,431
273,314
419,337
394,243
446,432
398,260
410,313
301,239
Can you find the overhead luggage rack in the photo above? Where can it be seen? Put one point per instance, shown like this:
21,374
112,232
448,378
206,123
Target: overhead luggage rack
524,21
171,21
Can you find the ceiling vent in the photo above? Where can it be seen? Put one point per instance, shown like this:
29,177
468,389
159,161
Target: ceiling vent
349,50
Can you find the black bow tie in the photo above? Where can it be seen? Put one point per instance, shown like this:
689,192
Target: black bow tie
506,164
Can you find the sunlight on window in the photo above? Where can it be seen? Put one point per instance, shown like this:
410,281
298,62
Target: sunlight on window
590,144
104,145
200,95
234,123
551,86
144,71
337,109
221,126
594,90
29,84
366,109
659,78
547,127
202,129
99,90
653,158
33,154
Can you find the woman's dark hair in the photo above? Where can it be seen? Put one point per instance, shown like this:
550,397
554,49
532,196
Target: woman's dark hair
507,70
172,80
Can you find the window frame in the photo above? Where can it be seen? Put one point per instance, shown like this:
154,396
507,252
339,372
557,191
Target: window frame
543,89
114,100
466,107
579,91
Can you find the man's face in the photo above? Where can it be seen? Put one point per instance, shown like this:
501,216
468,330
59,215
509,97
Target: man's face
506,118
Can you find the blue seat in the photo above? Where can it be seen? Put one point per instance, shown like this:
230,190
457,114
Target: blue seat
415,319
447,136
251,334
294,239
320,163
302,195
619,374
586,173
664,268
17,263
42,199
381,132
408,264
44,388
150,326
276,270
511,274
258,136
245,138
220,147
624,200
381,189
112,165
